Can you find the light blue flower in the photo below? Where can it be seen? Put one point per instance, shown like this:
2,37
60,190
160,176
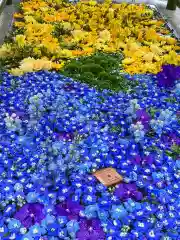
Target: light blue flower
27,236
49,219
62,220
36,230
14,224
132,206
91,211
32,197
118,212
72,228
103,214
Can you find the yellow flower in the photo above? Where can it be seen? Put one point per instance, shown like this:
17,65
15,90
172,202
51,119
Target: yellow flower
157,50
128,61
58,66
78,35
148,57
19,24
29,19
92,3
18,15
171,40
65,53
20,40
66,25
27,67
105,35
16,72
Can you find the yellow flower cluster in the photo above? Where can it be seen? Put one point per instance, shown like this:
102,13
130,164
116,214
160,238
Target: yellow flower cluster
59,30
32,65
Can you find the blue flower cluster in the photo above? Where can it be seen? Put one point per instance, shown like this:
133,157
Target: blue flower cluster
55,132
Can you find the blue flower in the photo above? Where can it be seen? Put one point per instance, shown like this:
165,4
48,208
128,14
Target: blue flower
132,206
62,221
53,229
72,228
118,212
62,233
91,211
36,230
14,224
49,219
32,197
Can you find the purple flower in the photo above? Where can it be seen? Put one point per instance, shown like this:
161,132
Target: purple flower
30,214
69,209
145,160
167,77
64,136
90,230
129,190
171,139
143,117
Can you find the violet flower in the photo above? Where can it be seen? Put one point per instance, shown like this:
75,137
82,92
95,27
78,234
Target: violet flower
30,214
167,77
69,209
90,230
129,190
171,139
145,160
64,136
143,117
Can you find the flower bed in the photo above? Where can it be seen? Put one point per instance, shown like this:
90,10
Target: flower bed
58,128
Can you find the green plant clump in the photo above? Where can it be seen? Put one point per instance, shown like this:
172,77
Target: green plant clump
101,70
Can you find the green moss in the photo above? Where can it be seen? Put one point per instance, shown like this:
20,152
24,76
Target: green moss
101,70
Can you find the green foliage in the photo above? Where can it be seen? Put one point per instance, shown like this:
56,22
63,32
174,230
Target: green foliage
101,70
174,152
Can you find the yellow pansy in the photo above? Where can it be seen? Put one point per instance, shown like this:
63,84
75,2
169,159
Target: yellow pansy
105,35
16,72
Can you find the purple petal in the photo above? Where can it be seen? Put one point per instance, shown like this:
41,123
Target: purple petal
96,224
131,187
137,195
22,213
73,217
120,191
142,115
83,235
97,234
148,159
61,211
74,207
137,159
84,224
166,78
28,222
36,208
